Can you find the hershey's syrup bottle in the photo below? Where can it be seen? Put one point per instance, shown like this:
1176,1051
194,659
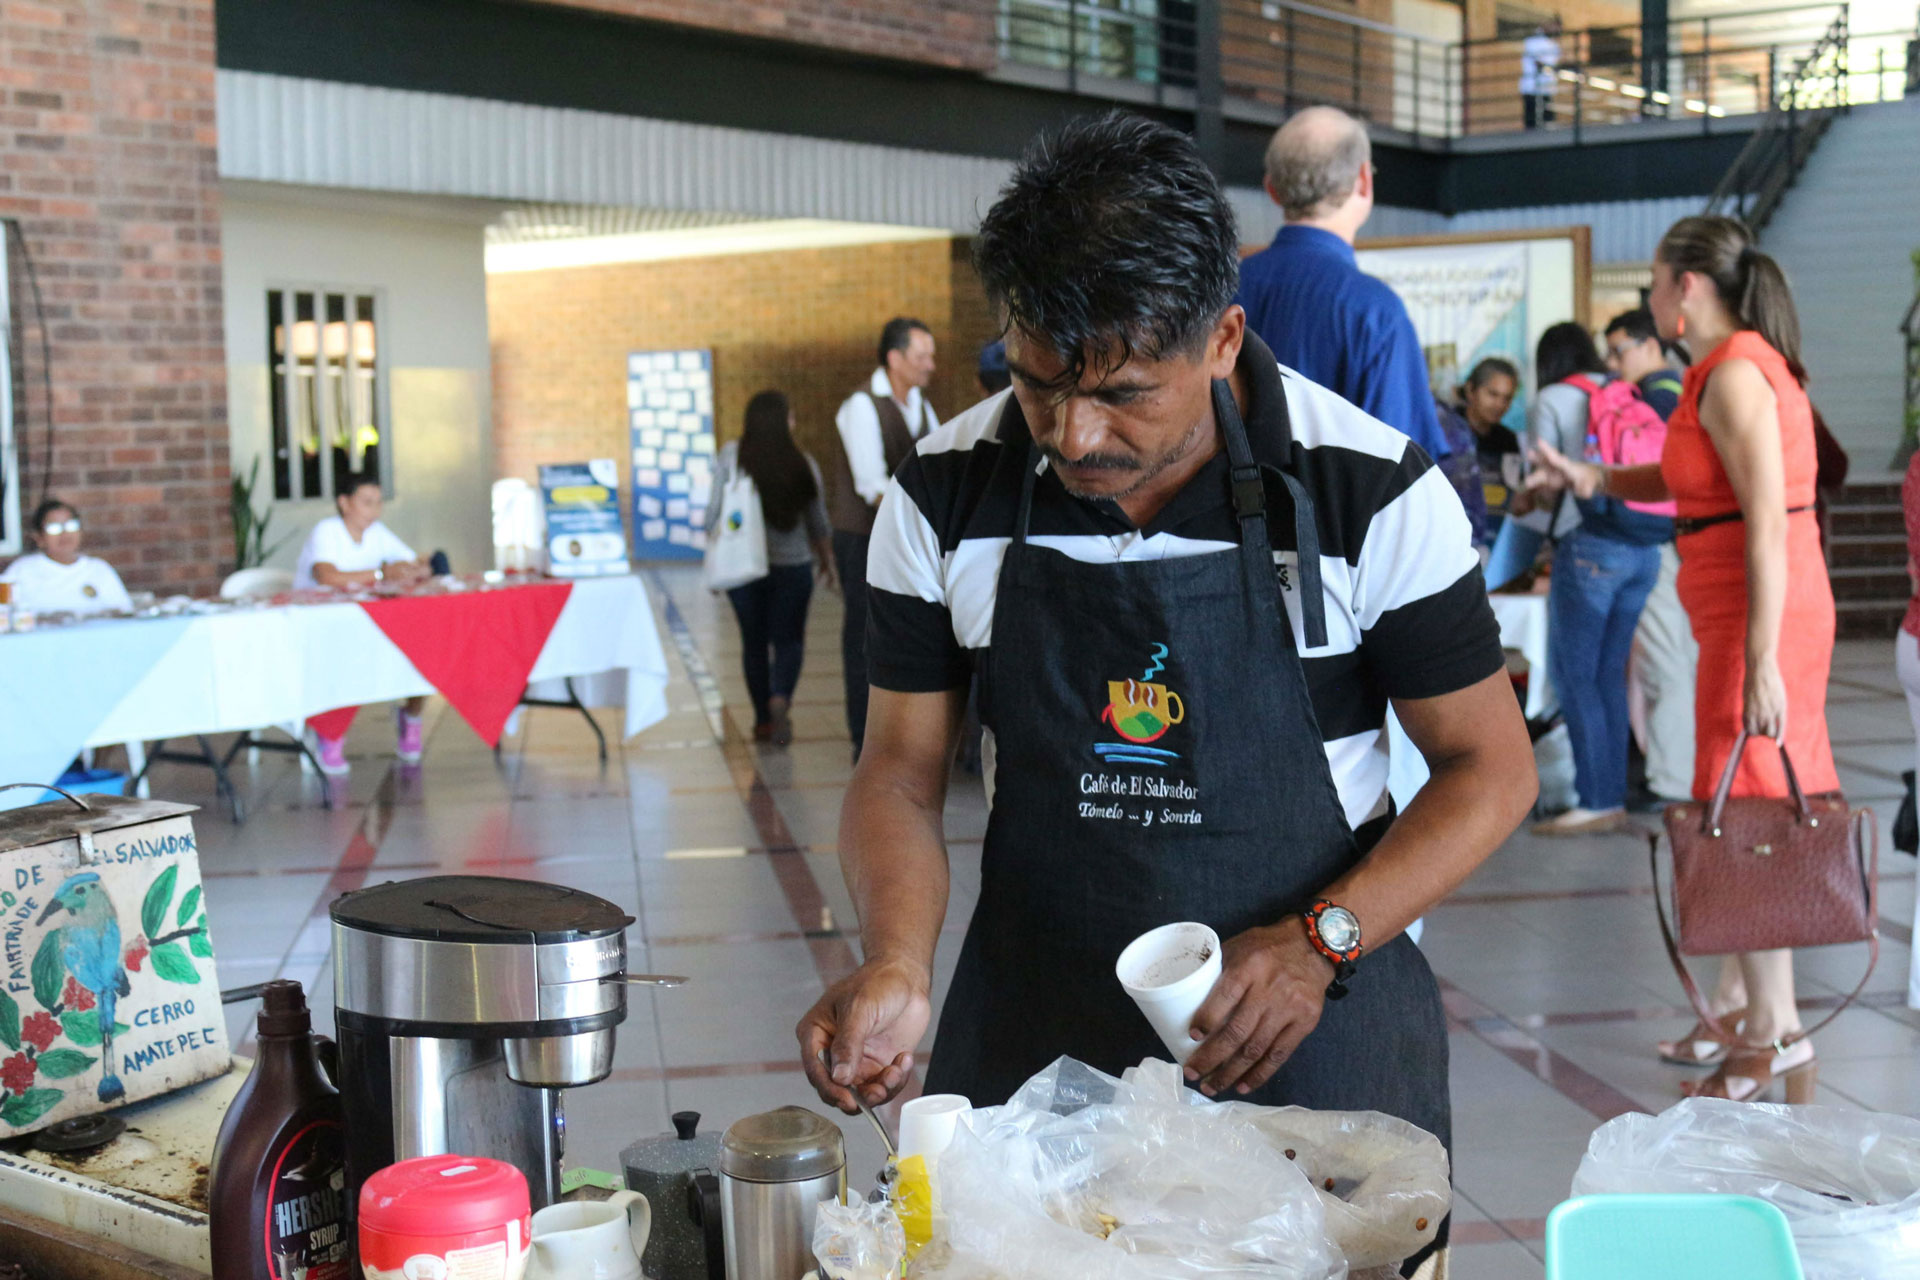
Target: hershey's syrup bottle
277,1191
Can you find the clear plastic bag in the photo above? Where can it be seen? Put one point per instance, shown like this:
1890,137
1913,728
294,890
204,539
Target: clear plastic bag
859,1241
1848,1181
1140,1178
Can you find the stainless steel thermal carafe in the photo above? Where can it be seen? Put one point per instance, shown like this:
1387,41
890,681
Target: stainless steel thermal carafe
776,1169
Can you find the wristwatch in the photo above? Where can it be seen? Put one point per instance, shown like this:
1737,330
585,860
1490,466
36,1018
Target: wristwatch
380,573
1334,932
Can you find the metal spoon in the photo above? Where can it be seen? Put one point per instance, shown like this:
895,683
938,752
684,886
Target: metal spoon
886,1139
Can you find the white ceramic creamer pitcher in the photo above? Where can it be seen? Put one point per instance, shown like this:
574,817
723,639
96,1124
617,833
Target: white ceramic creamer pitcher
591,1239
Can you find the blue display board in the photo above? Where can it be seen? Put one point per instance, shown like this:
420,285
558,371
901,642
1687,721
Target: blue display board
670,414
584,537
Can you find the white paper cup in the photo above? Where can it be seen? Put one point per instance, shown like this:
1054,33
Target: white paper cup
1169,972
927,1124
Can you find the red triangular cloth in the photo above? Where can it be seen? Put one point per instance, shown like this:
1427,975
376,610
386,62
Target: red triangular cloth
475,648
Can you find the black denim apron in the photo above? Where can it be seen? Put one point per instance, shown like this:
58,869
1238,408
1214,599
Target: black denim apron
1158,760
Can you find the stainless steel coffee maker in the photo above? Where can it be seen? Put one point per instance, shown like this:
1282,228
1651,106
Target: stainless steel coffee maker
464,1005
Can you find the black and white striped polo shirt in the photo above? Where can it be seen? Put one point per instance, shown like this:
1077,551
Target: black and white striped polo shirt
1406,609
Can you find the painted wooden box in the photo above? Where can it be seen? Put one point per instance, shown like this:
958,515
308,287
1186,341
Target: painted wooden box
107,986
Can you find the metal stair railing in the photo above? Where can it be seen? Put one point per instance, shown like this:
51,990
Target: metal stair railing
1814,94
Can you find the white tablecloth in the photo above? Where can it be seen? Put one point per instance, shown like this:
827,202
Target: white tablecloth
256,667
1523,626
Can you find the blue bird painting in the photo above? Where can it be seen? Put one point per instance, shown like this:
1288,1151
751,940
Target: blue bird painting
90,947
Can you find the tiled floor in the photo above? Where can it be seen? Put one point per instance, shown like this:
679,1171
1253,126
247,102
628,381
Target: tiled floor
724,853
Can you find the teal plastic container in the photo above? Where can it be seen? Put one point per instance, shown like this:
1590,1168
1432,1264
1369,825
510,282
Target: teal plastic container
1670,1237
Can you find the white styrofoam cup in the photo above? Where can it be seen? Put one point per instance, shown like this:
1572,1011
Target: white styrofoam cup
927,1124
1169,972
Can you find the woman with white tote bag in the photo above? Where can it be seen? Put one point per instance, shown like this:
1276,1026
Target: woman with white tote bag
766,534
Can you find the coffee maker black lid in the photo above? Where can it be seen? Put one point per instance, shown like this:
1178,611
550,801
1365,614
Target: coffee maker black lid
479,909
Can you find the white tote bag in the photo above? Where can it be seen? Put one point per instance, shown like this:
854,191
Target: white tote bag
737,547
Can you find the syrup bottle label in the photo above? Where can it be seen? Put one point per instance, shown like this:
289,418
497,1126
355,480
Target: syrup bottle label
307,1229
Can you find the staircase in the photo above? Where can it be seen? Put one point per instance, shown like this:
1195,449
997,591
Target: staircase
1845,233
1868,549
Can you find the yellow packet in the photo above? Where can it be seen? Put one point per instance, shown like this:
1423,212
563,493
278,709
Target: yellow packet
913,1202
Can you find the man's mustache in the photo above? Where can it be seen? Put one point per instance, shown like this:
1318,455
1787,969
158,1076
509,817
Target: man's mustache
1092,461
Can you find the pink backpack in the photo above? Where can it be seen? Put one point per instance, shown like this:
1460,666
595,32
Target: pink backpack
1623,430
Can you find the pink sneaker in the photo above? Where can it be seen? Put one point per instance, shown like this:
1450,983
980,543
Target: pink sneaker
413,738
333,755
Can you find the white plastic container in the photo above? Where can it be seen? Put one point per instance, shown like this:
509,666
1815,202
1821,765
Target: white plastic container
927,1123
1169,972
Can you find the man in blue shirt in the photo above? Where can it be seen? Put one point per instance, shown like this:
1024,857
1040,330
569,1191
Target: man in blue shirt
1307,298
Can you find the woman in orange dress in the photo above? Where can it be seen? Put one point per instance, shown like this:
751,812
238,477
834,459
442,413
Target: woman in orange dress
1739,463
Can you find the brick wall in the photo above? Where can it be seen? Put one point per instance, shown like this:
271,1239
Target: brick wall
107,161
801,321
953,33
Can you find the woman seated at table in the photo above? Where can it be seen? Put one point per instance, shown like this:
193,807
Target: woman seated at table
57,578
353,549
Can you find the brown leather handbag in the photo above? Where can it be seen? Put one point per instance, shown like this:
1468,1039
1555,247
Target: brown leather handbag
1758,873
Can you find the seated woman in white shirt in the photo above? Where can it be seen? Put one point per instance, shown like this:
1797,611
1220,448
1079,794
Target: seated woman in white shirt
353,549
57,578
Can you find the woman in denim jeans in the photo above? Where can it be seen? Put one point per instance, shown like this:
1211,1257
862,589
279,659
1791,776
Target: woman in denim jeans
772,611
1602,572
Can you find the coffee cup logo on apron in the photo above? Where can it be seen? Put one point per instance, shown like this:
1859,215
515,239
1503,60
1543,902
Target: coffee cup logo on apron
1140,710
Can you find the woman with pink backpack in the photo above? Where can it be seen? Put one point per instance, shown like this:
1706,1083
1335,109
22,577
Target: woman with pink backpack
1605,561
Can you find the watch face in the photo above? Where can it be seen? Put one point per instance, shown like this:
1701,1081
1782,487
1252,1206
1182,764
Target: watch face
1338,929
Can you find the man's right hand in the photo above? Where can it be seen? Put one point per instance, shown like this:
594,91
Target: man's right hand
861,1033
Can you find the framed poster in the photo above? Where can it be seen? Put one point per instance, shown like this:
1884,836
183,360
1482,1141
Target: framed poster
670,419
584,537
1480,294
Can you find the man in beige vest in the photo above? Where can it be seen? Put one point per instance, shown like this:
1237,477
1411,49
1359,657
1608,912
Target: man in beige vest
877,426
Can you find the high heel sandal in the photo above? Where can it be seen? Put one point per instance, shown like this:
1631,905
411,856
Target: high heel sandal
1700,1047
1749,1076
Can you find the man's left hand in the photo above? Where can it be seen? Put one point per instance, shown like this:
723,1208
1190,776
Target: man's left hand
1272,987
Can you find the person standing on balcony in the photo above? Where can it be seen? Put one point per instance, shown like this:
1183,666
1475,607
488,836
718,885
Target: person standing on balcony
1305,295
1540,73
874,432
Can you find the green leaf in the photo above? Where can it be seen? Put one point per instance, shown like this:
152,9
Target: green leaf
49,970
200,944
188,905
58,1064
171,963
153,911
30,1106
9,1021
82,1028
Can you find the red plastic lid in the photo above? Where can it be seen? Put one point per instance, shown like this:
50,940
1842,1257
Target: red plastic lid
443,1195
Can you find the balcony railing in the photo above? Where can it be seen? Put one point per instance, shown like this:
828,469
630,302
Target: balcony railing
1277,55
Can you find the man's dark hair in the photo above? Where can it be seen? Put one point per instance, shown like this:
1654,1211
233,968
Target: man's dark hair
897,335
353,482
1636,324
1112,239
47,508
